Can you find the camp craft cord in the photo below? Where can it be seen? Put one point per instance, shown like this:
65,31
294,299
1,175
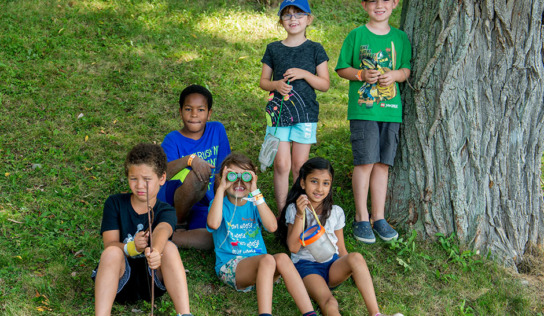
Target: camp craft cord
303,220
281,107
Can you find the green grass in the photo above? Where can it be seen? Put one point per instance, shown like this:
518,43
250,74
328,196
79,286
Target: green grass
84,81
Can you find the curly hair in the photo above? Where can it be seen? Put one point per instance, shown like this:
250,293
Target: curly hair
148,154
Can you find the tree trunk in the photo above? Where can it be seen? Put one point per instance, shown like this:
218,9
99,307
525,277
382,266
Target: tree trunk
471,143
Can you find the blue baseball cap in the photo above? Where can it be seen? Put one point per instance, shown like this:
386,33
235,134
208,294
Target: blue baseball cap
301,4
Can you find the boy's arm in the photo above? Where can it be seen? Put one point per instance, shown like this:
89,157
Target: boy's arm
111,238
175,166
267,84
161,233
319,81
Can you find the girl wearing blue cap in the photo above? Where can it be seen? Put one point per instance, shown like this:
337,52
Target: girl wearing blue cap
292,69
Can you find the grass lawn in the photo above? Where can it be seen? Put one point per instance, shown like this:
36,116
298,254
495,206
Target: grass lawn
81,82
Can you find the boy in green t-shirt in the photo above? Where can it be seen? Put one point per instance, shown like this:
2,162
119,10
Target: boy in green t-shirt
374,58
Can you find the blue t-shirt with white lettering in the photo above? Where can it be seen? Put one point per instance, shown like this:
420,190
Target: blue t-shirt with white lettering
212,147
240,233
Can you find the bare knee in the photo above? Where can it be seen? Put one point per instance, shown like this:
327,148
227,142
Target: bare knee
356,259
282,165
330,305
281,259
112,254
267,262
169,250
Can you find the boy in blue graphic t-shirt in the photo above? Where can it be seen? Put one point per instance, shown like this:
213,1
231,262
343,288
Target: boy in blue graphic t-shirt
192,153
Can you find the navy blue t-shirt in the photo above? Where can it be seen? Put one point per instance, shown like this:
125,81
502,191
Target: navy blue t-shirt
302,105
119,215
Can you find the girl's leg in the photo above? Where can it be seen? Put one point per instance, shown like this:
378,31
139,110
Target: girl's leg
300,154
293,282
282,167
355,265
320,292
110,270
258,270
172,273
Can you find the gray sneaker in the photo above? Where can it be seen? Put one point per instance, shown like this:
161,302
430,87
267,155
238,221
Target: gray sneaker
363,232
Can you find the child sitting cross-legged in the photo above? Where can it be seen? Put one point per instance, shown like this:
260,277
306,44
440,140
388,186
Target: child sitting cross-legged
312,191
236,219
124,272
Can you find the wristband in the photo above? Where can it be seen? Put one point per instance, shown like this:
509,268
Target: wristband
259,201
299,216
254,193
190,160
258,197
130,249
358,75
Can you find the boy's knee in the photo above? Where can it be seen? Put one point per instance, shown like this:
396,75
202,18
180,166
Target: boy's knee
112,254
170,249
331,303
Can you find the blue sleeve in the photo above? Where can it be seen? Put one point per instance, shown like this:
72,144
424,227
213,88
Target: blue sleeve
170,147
224,147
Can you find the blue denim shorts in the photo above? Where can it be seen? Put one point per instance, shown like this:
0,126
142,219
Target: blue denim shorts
134,285
373,142
302,133
306,267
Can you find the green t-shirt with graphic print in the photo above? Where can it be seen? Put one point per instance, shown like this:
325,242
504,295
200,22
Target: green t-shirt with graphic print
363,49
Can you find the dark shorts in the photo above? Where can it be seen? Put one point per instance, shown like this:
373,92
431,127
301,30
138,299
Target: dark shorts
199,213
373,142
306,267
134,285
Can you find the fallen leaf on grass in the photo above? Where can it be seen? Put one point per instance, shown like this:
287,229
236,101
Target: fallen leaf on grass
80,116
7,174
14,221
78,253
86,138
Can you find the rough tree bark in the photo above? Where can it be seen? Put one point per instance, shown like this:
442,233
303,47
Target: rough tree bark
471,143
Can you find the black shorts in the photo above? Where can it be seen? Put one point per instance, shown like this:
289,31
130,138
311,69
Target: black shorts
134,285
373,142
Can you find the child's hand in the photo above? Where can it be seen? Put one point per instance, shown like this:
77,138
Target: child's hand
386,79
293,74
140,240
371,75
253,184
224,184
153,258
202,169
302,203
282,87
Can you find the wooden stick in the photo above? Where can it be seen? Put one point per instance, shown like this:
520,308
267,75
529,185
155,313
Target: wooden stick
150,245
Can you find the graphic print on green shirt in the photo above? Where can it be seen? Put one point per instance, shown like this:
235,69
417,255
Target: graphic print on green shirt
383,61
